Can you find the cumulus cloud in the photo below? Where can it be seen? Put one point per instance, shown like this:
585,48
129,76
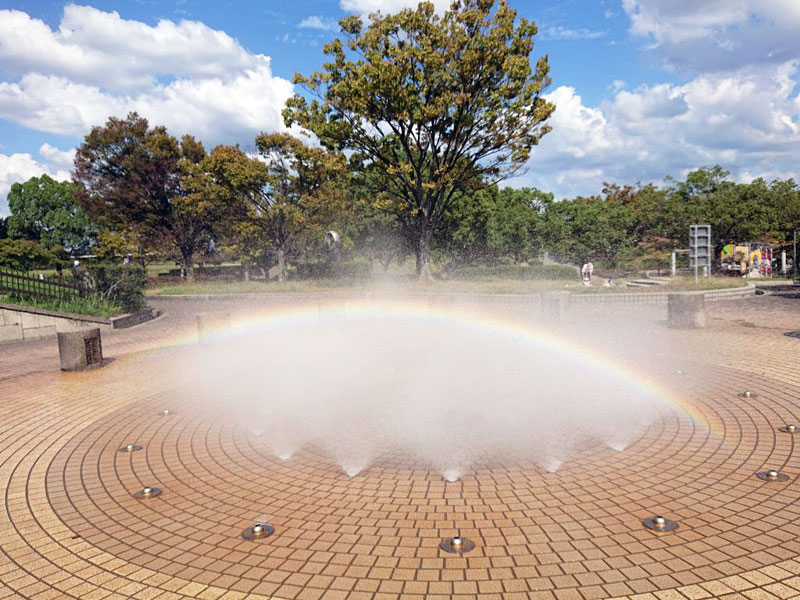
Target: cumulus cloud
101,48
718,34
19,167
316,22
747,121
184,75
561,32
367,7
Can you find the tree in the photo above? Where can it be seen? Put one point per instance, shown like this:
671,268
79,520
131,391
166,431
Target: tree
441,104
463,232
593,229
3,228
46,211
371,224
514,227
142,183
294,192
24,255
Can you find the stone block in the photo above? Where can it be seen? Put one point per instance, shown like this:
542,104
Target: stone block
80,350
554,307
686,311
29,320
11,333
39,333
212,325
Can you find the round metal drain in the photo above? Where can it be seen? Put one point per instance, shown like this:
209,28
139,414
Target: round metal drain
788,429
792,334
130,448
148,492
772,475
747,394
457,545
659,524
258,531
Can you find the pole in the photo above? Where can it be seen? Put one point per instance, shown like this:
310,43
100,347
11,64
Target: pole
794,252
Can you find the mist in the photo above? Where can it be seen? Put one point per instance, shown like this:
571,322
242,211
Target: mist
374,384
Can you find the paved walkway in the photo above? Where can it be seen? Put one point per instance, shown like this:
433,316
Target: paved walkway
70,527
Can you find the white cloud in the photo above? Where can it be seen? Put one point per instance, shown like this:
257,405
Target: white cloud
561,32
749,122
62,159
19,167
367,7
186,76
102,49
718,34
315,22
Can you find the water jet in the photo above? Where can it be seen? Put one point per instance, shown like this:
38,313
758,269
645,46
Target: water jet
451,475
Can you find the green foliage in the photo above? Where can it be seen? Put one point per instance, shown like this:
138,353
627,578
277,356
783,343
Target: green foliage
46,211
24,255
372,225
288,198
533,272
439,103
119,285
90,305
148,189
3,228
594,229
352,269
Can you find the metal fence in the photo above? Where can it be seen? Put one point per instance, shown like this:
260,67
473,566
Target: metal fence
30,287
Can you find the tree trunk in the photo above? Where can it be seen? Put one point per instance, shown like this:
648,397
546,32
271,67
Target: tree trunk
188,265
246,269
281,264
424,253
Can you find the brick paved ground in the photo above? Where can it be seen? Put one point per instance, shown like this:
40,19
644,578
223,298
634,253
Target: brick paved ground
70,528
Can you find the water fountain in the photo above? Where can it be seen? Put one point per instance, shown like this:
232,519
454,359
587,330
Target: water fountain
445,391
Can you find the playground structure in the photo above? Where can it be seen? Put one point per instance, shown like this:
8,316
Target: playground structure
751,259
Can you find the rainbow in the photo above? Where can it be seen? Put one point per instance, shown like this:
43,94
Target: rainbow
541,337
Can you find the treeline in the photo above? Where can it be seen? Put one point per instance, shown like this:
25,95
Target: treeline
139,192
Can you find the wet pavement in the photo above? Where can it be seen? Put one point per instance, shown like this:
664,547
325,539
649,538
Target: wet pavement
71,528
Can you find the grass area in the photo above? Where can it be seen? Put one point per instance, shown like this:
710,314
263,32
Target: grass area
499,286
676,284
83,306
409,284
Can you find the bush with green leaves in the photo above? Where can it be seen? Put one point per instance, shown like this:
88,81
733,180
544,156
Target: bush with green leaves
24,255
118,284
540,271
350,269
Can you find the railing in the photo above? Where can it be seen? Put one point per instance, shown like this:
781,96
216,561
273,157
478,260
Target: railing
30,287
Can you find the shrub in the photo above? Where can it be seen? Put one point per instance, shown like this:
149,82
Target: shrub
24,255
351,269
117,284
540,271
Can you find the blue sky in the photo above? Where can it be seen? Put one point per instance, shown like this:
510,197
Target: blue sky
643,88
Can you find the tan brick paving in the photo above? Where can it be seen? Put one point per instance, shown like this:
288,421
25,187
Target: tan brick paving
70,528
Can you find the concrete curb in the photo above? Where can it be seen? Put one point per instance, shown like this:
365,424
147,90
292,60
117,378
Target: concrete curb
21,323
589,298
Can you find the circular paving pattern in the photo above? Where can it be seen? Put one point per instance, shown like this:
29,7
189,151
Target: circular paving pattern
74,526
